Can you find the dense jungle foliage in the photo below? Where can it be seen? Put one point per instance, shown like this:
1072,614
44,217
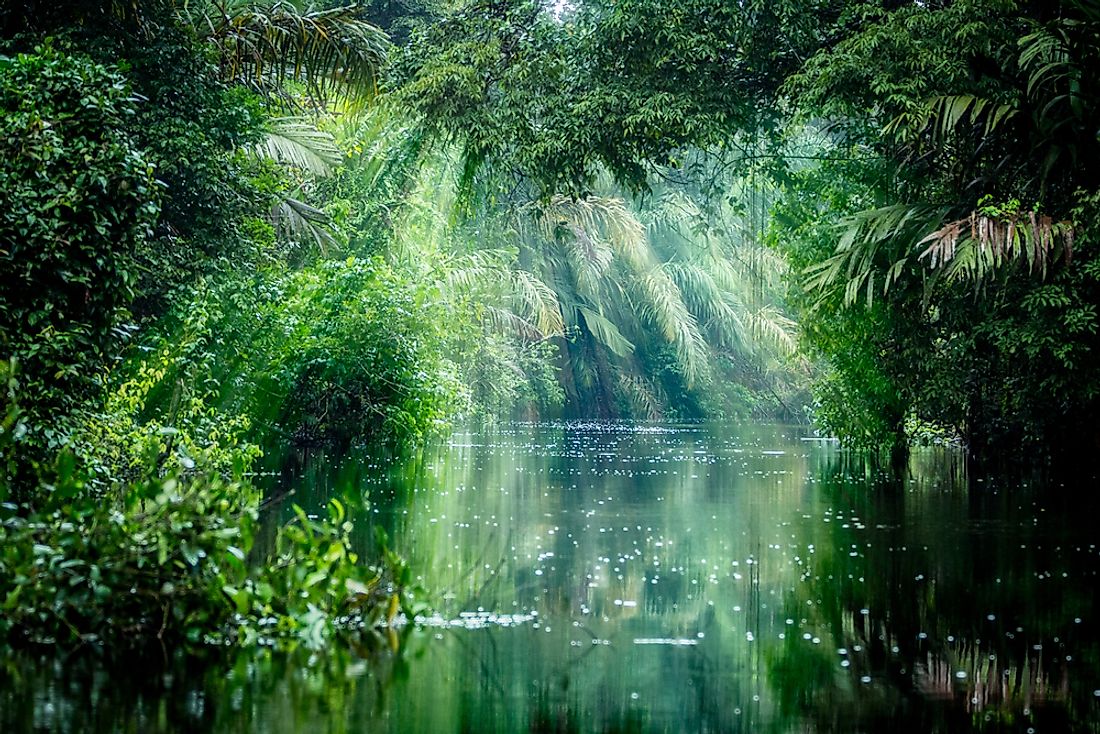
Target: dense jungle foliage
230,226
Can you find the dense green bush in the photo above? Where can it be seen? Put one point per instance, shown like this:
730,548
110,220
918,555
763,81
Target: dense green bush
188,121
173,554
345,351
354,352
166,401
174,558
509,378
196,130
77,203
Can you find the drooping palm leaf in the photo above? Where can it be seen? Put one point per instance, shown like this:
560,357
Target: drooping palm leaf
643,395
504,321
874,250
590,257
1035,239
716,308
1060,60
297,142
475,270
664,305
946,114
335,52
599,218
771,325
604,330
297,221
539,301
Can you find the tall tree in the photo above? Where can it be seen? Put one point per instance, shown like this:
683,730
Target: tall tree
974,249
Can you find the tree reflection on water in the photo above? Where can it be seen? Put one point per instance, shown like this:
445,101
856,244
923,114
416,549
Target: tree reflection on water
963,612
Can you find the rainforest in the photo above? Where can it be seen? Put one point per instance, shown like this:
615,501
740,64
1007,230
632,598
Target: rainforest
549,365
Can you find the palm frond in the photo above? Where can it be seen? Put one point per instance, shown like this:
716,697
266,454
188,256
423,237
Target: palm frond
664,305
747,266
1036,239
334,52
711,304
944,115
476,270
604,330
728,270
873,251
296,220
1045,54
539,302
674,209
1059,59
645,398
296,141
590,258
502,320
698,287
770,325
605,219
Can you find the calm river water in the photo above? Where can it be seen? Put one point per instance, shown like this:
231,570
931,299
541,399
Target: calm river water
644,578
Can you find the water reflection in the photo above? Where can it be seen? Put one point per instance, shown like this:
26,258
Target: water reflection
660,578
211,690
965,609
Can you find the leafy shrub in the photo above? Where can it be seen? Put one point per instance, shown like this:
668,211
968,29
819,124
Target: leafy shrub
507,377
171,552
174,558
346,351
189,123
171,398
77,201
195,129
358,354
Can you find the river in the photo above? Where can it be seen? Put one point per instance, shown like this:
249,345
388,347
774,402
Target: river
597,577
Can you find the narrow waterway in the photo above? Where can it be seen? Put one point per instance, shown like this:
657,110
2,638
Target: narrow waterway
647,578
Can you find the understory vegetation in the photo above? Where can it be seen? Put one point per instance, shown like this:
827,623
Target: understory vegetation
231,227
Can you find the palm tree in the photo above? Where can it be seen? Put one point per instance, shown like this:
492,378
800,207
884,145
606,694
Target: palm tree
335,53
641,294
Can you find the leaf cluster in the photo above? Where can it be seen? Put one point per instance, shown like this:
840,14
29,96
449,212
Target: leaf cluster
78,204
175,558
559,96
